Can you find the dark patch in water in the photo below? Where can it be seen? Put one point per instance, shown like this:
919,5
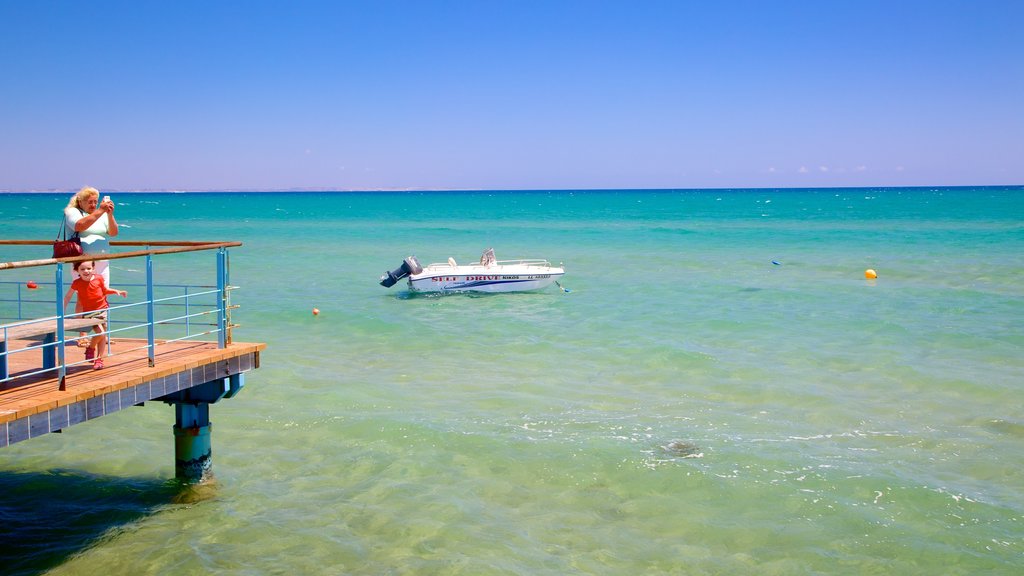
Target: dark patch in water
1005,427
681,231
681,448
50,516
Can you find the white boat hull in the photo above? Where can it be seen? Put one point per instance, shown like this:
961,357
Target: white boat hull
479,278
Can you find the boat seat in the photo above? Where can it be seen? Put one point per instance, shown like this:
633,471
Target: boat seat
451,262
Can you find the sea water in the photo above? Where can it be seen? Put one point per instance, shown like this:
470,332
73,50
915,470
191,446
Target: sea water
717,390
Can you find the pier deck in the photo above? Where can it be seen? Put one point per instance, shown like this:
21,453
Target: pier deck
34,406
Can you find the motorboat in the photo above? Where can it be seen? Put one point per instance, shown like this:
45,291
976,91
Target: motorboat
487,275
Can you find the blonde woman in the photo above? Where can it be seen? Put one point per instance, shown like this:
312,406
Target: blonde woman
94,221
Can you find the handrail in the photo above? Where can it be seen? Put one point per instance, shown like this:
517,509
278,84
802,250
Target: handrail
179,247
520,262
221,306
123,242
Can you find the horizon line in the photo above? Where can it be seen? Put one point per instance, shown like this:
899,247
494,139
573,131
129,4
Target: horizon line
415,190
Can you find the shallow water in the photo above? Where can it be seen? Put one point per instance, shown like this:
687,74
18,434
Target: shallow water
720,392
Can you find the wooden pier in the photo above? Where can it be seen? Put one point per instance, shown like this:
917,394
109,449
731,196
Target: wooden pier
35,406
42,393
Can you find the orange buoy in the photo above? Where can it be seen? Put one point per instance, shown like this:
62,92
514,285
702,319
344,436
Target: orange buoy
870,274
316,311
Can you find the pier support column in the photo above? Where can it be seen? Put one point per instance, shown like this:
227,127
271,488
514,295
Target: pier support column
193,459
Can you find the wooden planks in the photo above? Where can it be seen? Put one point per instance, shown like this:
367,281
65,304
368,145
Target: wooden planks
129,367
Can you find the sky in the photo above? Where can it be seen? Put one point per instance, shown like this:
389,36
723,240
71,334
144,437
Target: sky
503,94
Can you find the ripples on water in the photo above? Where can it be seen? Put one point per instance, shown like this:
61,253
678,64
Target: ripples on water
689,407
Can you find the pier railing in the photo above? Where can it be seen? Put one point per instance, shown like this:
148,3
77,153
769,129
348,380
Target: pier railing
195,306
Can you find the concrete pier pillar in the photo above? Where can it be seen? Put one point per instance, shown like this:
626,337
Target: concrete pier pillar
193,457
193,461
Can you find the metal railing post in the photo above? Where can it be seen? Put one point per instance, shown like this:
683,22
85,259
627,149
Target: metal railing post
188,314
227,296
150,313
222,297
59,289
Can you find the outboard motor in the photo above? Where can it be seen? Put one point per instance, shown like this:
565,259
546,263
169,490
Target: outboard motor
409,266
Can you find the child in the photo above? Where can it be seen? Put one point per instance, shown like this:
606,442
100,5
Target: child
92,294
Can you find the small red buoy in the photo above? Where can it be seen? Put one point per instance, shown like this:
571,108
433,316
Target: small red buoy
316,311
31,285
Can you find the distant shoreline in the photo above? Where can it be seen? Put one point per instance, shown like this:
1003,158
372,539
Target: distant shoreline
526,190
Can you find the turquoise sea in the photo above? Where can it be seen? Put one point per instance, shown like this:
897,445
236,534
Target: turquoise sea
721,391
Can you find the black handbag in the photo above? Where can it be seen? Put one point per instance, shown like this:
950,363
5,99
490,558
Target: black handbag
64,247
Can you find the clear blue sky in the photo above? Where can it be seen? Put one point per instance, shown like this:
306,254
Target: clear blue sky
493,94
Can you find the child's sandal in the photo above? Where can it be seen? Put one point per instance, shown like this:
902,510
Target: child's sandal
98,364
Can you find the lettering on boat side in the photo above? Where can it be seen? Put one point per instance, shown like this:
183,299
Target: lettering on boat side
476,278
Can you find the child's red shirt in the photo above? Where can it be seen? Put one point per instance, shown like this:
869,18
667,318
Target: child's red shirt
91,294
